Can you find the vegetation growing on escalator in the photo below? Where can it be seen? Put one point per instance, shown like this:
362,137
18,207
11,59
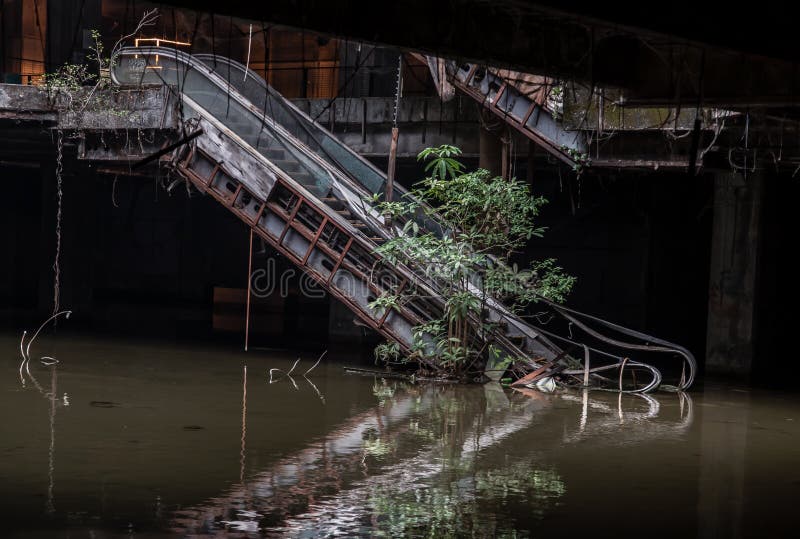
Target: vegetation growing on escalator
489,219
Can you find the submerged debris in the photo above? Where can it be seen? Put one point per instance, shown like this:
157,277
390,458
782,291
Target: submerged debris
25,349
599,355
104,404
288,375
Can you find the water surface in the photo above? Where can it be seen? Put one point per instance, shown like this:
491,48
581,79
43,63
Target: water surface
125,439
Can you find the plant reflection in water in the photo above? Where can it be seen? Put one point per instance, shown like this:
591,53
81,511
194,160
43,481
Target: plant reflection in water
429,460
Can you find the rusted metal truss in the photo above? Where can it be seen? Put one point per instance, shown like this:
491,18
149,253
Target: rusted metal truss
521,111
300,227
523,105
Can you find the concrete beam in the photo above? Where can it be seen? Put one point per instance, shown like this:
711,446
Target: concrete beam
22,103
412,139
111,109
379,110
125,109
603,110
126,124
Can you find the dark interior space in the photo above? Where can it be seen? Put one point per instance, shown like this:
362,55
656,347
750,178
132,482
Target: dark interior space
778,291
638,244
139,260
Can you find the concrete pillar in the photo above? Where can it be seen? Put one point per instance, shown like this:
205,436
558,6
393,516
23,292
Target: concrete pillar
490,146
531,162
735,242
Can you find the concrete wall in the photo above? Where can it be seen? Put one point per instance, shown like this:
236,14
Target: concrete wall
365,123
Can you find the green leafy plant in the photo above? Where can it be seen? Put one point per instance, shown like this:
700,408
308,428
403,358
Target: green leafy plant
581,160
487,220
389,351
555,101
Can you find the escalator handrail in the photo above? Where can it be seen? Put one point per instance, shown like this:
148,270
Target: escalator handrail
308,123
286,138
307,120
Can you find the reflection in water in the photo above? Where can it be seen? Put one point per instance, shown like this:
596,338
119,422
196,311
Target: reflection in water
51,464
27,377
600,419
414,466
159,441
244,423
723,466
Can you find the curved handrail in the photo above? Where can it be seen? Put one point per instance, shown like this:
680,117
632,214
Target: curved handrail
326,144
264,91
347,177
663,346
226,104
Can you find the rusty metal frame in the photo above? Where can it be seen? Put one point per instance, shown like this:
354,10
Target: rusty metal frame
313,243
497,97
522,128
470,74
528,114
389,309
377,323
340,258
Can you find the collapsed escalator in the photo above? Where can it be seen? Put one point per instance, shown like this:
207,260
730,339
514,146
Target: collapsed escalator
305,193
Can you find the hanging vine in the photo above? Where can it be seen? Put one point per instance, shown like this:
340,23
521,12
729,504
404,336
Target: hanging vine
59,199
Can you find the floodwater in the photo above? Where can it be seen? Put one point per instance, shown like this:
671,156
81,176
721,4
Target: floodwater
131,440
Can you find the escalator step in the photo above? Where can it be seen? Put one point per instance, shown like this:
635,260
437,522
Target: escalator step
304,180
274,153
333,203
286,166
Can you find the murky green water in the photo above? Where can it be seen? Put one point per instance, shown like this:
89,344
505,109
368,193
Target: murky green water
123,439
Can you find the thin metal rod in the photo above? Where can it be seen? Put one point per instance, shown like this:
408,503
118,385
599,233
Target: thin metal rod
621,370
395,132
51,454
392,164
249,46
164,151
585,366
249,289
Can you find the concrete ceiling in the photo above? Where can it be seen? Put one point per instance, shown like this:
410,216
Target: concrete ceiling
674,52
